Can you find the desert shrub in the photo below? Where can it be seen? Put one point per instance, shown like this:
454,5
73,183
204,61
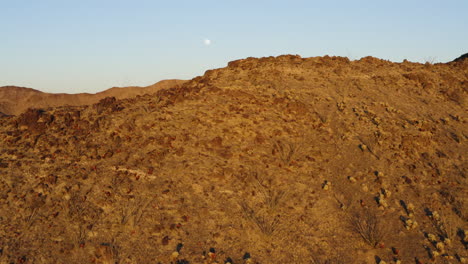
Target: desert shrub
271,195
134,210
287,150
444,223
265,210
368,225
266,223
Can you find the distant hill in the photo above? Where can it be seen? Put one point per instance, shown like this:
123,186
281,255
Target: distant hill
15,100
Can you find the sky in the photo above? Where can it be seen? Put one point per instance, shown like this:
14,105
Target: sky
76,46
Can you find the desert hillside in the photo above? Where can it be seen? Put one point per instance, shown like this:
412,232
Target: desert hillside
288,159
15,100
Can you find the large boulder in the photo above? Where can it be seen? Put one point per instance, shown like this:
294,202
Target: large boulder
108,103
34,120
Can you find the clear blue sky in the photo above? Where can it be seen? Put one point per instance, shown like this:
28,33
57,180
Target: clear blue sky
91,45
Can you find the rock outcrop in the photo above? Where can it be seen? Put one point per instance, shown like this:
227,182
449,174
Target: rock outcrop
461,58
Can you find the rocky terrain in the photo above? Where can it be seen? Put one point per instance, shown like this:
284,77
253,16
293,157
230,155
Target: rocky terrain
288,159
15,100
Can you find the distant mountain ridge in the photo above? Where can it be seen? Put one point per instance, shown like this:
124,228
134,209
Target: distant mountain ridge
14,100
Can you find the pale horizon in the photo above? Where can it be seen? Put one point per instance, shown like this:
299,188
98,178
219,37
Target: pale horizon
89,46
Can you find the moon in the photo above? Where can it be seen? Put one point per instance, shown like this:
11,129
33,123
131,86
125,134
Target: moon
207,42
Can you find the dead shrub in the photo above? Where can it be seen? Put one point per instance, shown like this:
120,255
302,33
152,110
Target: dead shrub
268,224
133,211
287,150
444,223
368,225
271,195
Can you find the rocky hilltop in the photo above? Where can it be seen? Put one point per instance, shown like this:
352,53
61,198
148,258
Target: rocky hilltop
461,58
271,160
15,100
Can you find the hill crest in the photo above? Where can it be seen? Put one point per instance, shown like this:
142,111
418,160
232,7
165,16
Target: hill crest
279,157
